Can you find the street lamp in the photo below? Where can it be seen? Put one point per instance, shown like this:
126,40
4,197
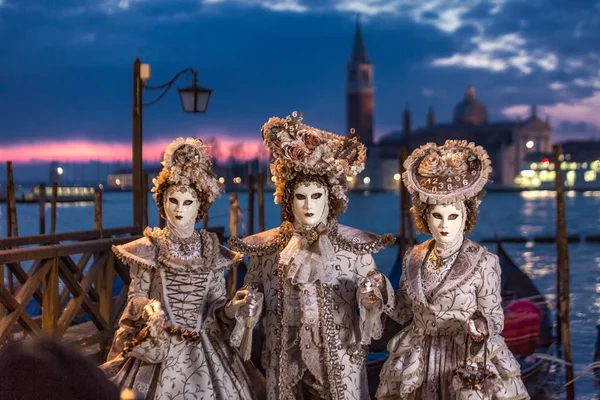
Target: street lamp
194,100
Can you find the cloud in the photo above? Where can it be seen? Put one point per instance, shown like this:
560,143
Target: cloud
112,6
501,53
578,110
557,86
85,38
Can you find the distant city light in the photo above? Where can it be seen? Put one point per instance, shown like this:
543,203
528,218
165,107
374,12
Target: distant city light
222,180
396,177
273,179
529,144
349,178
59,170
237,180
117,181
367,180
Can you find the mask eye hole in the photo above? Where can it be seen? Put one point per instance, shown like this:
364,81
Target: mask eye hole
173,200
316,196
436,216
300,196
187,202
452,217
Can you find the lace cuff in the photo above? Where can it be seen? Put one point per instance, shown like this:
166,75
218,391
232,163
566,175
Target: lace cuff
241,337
483,324
372,320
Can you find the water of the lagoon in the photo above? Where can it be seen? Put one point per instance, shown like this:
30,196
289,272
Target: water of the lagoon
506,214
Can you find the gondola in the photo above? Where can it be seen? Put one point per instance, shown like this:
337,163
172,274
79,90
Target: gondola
515,285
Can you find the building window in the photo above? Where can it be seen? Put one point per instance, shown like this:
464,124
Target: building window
365,76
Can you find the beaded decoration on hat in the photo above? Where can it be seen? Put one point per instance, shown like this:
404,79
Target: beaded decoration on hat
186,162
301,149
456,171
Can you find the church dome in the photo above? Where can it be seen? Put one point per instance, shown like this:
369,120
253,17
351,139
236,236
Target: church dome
470,111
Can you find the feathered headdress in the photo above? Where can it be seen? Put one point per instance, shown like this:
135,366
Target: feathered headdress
186,162
301,149
456,171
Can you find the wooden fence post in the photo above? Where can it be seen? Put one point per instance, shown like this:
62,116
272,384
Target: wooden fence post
233,231
104,285
261,202
50,294
562,265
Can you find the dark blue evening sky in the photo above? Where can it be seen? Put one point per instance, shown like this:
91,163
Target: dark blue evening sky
66,65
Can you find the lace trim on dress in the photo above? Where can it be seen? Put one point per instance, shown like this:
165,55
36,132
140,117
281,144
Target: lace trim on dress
435,271
200,251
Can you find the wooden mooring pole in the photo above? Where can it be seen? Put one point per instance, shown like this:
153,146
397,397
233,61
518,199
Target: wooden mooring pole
144,194
261,202
42,201
98,210
12,228
406,230
233,231
53,207
562,267
250,204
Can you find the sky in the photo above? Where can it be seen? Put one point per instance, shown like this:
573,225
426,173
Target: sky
66,67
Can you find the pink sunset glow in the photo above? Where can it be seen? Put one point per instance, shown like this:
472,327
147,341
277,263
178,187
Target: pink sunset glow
86,150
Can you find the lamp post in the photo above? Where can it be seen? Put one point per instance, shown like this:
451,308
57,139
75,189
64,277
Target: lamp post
194,100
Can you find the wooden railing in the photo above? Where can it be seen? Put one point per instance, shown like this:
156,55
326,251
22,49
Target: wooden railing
67,280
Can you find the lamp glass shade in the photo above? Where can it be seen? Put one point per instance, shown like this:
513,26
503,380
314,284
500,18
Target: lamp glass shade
194,99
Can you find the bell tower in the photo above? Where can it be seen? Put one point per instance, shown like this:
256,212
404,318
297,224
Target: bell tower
359,90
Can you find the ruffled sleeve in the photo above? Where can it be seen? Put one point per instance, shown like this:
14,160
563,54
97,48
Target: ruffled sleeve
489,298
241,337
402,310
372,319
140,256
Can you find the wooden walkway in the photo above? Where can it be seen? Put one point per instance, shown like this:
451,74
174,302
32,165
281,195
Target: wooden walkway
63,277
53,282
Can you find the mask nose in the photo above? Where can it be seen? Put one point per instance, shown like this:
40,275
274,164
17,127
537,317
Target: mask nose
307,205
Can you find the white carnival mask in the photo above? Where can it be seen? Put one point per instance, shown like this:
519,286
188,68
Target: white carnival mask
181,208
446,223
310,203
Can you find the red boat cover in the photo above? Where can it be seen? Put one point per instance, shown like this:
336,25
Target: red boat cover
522,320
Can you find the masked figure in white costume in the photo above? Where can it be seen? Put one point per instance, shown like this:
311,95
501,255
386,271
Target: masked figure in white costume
324,299
171,339
450,286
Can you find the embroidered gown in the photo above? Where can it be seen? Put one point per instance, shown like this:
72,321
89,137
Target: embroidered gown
186,277
425,354
316,341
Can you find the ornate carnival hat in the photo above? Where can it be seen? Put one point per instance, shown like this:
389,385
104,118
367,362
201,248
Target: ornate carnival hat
186,162
301,149
456,171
